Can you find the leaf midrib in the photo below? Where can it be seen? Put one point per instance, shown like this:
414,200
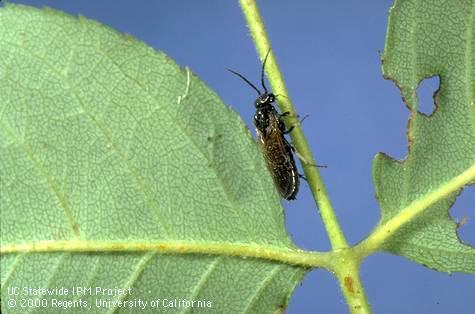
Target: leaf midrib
283,255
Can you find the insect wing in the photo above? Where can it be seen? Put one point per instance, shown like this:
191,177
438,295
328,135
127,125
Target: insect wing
280,161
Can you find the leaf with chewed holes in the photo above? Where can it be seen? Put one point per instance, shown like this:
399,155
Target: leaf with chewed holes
425,39
121,170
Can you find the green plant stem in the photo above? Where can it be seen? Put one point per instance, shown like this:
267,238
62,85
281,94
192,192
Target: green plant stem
314,179
347,272
348,268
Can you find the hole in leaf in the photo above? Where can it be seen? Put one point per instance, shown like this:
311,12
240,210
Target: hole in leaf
462,213
425,94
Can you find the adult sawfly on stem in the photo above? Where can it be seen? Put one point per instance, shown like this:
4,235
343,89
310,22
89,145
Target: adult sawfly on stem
270,131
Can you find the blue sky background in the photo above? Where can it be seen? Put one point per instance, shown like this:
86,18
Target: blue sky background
328,52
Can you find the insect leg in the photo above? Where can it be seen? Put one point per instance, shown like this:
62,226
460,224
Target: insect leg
303,158
301,176
289,130
304,117
292,127
287,113
284,114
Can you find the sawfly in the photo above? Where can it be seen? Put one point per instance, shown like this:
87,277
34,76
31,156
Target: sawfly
270,131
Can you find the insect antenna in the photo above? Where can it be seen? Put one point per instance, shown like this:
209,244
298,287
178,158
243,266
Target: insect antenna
245,80
262,72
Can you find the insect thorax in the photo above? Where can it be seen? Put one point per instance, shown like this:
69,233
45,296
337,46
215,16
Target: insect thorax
267,118
264,117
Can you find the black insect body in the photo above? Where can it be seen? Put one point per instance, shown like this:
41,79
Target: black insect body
270,130
277,151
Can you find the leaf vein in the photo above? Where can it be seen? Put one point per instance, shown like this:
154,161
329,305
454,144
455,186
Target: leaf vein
237,209
18,259
260,289
204,278
134,276
103,130
51,184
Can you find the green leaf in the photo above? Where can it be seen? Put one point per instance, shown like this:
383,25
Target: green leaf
120,169
430,38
